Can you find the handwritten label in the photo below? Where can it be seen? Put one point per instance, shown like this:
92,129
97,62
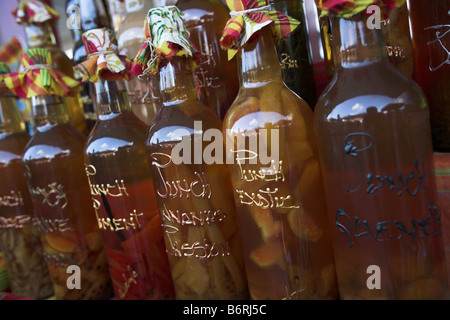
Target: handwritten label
16,222
287,62
15,199
52,225
129,278
205,73
172,220
60,259
388,230
411,182
198,188
395,51
400,183
53,195
440,32
116,224
118,189
264,198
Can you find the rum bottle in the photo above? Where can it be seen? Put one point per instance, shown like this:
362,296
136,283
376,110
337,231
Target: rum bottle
373,129
121,184
26,269
275,173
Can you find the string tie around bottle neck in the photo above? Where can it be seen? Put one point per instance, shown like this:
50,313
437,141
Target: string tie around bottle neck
37,67
263,9
99,53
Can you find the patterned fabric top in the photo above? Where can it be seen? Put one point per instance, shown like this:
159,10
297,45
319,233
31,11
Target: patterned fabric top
103,61
247,18
10,51
166,37
349,8
34,12
4,69
39,78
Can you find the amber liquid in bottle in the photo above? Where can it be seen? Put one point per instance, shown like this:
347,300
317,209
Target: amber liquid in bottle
429,22
280,203
42,36
373,131
143,94
60,193
216,77
124,199
195,198
26,269
294,53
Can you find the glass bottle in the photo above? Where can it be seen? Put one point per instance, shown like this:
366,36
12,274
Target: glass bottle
281,212
397,37
216,77
294,53
124,200
93,14
42,36
195,198
429,23
130,38
26,268
373,131
54,167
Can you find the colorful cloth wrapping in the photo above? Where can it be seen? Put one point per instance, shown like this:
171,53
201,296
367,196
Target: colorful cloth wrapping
250,16
4,69
39,78
34,12
348,8
166,37
10,51
103,61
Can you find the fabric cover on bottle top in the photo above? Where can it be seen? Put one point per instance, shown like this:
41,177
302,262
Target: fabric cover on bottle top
38,77
4,69
166,37
348,8
34,12
104,61
10,51
247,18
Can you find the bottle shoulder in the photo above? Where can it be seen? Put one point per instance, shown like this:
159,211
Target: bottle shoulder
117,133
270,105
12,147
377,87
172,122
54,140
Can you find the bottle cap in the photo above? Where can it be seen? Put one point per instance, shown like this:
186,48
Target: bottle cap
247,18
104,61
349,8
166,37
34,12
38,77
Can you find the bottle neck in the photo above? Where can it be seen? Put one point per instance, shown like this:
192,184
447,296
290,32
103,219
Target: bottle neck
40,35
93,15
177,82
111,98
258,61
355,44
10,118
48,110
